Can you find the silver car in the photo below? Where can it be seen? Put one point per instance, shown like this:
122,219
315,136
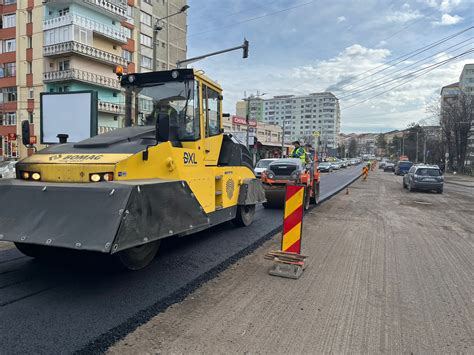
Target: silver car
261,166
7,169
424,177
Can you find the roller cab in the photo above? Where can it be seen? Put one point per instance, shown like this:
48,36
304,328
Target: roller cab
171,172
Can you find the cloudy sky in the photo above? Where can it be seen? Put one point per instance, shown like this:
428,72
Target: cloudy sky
347,46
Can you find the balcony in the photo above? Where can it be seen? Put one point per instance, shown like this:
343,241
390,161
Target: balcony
83,76
110,32
84,50
111,107
116,9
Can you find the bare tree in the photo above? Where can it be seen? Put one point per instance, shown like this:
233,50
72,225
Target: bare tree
456,115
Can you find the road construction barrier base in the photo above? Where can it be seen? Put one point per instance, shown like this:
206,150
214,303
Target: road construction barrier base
290,271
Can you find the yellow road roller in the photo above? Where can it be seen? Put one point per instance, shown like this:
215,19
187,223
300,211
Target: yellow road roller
170,172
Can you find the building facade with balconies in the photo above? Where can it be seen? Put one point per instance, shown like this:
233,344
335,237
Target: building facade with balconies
82,45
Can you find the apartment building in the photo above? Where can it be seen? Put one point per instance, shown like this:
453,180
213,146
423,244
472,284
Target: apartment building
8,78
255,110
303,116
466,84
73,45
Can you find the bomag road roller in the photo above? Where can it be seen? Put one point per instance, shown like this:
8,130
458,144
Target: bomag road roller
172,172
291,171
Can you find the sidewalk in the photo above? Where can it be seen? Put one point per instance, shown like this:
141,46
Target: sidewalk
388,271
459,179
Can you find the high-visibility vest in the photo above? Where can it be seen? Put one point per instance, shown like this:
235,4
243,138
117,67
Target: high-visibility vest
299,153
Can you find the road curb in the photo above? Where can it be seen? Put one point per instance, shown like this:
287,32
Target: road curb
102,343
458,184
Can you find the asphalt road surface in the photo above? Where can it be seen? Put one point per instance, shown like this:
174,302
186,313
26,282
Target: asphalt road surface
72,307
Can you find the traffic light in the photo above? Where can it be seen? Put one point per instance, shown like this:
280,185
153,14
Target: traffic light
246,49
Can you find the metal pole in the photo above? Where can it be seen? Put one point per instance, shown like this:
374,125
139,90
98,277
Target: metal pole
155,32
248,122
424,149
403,144
283,139
416,159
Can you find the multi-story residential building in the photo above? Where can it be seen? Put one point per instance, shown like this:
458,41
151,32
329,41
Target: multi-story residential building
71,45
255,105
8,77
303,116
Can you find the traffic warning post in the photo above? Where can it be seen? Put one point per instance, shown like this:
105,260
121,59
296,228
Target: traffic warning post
289,262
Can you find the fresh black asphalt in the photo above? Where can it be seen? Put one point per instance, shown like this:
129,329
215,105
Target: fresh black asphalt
72,307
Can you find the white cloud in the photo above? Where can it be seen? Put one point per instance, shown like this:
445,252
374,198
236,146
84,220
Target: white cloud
443,5
448,20
341,19
403,16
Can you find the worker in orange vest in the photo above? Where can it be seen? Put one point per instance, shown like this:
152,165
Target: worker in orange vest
365,172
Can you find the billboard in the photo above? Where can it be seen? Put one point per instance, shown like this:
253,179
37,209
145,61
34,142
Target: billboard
71,113
243,121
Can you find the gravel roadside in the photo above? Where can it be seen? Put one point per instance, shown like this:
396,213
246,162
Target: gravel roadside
388,271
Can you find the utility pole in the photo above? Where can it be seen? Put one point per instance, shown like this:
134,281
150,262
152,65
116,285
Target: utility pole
283,139
403,143
247,112
416,159
424,148
157,28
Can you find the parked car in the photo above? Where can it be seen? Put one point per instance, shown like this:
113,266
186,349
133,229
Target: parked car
335,165
424,177
325,167
382,164
388,166
354,162
261,166
7,169
402,167
343,163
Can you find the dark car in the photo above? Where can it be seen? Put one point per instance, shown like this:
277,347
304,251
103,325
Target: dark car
424,177
402,167
388,166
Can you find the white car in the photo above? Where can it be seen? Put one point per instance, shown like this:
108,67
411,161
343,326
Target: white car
261,166
7,169
335,165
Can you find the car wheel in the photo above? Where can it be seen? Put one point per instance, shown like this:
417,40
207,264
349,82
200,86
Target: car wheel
440,191
138,257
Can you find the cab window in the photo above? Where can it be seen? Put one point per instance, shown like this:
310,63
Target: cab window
212,109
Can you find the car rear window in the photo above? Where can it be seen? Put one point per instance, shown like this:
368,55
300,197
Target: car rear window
405,165
428,172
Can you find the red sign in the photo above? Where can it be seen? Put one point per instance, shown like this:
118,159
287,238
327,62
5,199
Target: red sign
12,136
33,140
243,121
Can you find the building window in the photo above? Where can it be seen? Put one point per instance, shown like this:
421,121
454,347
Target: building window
29,41
8,95
129,11
127,31
64,65
9,21
29,16
126,55
63,12
8,119
145,18
145,40
30,116
29,67
145,62
9,45
8,70
31,93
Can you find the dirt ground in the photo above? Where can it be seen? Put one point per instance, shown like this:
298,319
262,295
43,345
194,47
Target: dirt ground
388,271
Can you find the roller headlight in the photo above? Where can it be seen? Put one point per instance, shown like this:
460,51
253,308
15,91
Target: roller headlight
131,79
175,74
25,175
97,177
36,176
270,174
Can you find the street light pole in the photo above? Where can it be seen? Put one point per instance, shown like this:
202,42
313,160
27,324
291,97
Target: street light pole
416,159
157,28
283,139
